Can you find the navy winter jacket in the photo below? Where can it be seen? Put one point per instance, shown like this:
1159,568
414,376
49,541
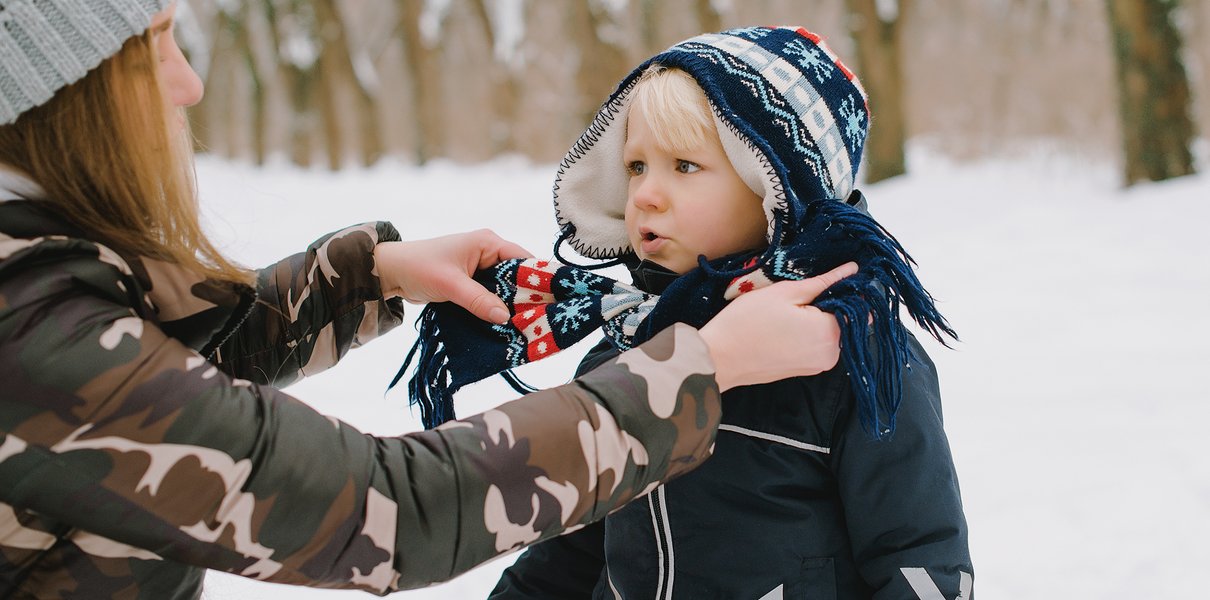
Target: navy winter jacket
797,502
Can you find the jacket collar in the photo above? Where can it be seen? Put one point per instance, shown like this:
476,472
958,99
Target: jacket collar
199,312
651,277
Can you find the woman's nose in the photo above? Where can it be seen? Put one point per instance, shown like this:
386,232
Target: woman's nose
187,88
182,83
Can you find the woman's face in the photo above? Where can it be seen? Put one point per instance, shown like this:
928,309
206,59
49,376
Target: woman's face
182,86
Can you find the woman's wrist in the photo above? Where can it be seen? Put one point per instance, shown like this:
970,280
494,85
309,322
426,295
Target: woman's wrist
720,355
387,254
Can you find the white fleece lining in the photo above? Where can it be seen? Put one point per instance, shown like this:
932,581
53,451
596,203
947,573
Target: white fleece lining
591,190
753,168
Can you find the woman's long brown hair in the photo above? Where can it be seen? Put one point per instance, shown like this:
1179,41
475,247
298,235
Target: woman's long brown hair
107,153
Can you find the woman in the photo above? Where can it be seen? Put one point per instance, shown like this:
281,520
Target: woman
142,437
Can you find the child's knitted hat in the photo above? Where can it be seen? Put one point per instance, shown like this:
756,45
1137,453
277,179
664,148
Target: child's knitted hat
49,44
792,120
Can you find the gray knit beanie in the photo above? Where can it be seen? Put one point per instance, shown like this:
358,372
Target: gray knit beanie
46,45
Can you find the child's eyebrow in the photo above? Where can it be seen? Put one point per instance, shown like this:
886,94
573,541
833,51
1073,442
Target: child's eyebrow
162,27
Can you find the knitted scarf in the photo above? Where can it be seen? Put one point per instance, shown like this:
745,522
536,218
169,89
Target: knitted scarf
555,305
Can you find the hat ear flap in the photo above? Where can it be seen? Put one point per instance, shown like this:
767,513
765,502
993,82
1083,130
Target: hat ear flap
590,190
756,172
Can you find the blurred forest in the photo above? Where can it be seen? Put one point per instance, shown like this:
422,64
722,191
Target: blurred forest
341,82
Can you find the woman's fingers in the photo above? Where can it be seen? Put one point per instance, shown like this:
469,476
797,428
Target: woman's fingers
770,334
440,270
468,294
497,249
806,290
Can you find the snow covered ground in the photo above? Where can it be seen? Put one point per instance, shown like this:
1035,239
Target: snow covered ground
1076,403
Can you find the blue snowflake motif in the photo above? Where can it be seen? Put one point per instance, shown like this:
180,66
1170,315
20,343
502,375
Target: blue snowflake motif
515,353
752,33
572,313
783,267
581,284
613,329
813,60
853,118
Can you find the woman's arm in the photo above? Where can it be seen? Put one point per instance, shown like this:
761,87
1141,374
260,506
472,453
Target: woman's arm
345,290
568,566
313,307
116,429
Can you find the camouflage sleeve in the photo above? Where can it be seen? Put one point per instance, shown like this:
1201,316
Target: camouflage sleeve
561,458
113,428
313,308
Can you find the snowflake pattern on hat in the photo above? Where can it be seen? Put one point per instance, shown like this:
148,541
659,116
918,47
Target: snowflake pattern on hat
790,114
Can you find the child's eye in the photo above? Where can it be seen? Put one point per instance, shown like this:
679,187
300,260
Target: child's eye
636,168
684,166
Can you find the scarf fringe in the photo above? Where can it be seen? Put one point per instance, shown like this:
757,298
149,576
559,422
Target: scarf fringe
429,388
892,266
873,371
867,307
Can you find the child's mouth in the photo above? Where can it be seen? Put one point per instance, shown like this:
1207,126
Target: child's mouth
651,242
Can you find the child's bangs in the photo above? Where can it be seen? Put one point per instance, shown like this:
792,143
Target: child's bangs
675,108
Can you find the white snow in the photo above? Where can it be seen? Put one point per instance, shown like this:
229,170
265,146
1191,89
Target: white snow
1075,404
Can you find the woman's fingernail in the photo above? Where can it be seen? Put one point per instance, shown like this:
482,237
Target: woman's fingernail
498,315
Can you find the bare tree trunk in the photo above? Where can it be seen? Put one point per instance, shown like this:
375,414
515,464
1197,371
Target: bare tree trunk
707,16
648,26
878,60
602,63
300,81
302,136
336,62
505,91
425,83
326,101
214,134
1153,91
328,34
259,125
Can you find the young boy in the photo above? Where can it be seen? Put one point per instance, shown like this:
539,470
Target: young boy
726,153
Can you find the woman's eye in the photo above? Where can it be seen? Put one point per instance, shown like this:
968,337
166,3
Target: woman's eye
636,168
684,166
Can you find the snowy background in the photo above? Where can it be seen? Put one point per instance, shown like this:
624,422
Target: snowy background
1076,403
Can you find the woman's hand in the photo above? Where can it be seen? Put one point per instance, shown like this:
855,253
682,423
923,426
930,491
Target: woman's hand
440,269
771,333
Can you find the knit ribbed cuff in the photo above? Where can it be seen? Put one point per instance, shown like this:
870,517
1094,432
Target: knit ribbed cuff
46,45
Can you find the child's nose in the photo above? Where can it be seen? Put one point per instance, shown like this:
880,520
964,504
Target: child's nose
650,195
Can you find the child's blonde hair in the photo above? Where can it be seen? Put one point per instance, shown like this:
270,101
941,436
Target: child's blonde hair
106,152
675,108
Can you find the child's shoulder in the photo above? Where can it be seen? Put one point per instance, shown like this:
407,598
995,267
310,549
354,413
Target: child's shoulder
799,411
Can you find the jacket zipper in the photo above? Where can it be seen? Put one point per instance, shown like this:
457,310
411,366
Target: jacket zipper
234,322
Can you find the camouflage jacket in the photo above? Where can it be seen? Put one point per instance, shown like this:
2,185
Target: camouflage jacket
142,440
